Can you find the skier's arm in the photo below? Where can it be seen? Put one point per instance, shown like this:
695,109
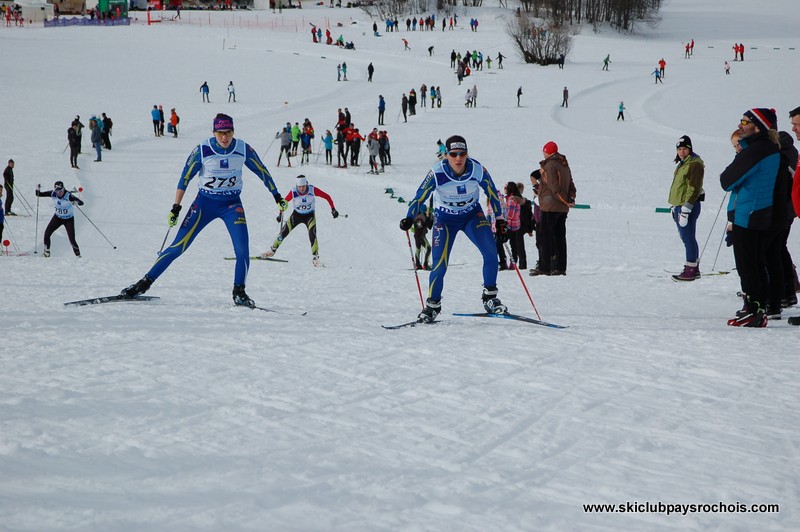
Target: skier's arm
491,194
324,195
190,169
423,192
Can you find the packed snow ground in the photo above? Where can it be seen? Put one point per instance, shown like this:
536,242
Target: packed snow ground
190,414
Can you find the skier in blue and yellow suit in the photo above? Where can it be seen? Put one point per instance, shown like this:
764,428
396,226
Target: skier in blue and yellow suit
218,161
455,183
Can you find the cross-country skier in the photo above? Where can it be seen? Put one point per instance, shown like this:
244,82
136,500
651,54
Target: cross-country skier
64,215
218,161
455,184
303,198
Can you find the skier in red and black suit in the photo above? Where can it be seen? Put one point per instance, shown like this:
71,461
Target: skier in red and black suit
303,198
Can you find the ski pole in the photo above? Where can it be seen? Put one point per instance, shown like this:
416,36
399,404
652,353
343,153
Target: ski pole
724,233
514,262
268,147
13,238
25,204
163,242
712,229
93,225
414,267
36,231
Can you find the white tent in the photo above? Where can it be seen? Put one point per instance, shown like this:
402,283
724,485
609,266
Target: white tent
35,10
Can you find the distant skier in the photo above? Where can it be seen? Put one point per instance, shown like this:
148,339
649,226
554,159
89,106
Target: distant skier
606,61
64,215
657,74
519,94
565,98
231,92
303,198
205,92
621,113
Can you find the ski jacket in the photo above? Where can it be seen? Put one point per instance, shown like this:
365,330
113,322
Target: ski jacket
62,206
556,189
456,195
513,213
220,169
687,182
306,203
751,180
328,141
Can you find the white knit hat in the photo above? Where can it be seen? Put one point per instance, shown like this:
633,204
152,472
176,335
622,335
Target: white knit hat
301,181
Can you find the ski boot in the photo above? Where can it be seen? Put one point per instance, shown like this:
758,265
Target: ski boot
491,303
751,315
240,298
139,287
315,261
46,253
431,310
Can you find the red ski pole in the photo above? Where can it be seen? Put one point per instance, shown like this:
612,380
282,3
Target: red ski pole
508,252
414,267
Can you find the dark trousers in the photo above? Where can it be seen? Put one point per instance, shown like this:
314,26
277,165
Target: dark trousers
69,225
518,254
553,256
106,140
749,252
9,196
73,156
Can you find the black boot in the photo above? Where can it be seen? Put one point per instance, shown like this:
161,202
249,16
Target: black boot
431,310
240,298
491,303
139,287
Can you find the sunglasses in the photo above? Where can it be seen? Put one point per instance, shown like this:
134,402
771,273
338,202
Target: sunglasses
457,154
744,121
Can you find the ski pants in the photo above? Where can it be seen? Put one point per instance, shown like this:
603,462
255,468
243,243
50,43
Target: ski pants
69,226
688,233
295,219
478,230
553,256
203,211
749,252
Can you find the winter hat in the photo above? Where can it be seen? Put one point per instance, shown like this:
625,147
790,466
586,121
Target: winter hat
765,119
456,142
550,148
223,122
58,185
684,142
302,181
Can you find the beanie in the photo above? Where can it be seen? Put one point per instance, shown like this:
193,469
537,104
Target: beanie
765,119
684,142
223,122
456,142
550,148
302,181
58,185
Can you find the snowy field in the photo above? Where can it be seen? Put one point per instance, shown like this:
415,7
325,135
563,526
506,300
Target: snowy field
190,414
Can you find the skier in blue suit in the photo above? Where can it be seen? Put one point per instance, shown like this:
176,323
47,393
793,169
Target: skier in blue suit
455,183
219,162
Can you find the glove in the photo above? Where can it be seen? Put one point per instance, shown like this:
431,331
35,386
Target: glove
278,218
683,217
501,226
80,203
282,205
38,188
334,213
172,218
406,223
